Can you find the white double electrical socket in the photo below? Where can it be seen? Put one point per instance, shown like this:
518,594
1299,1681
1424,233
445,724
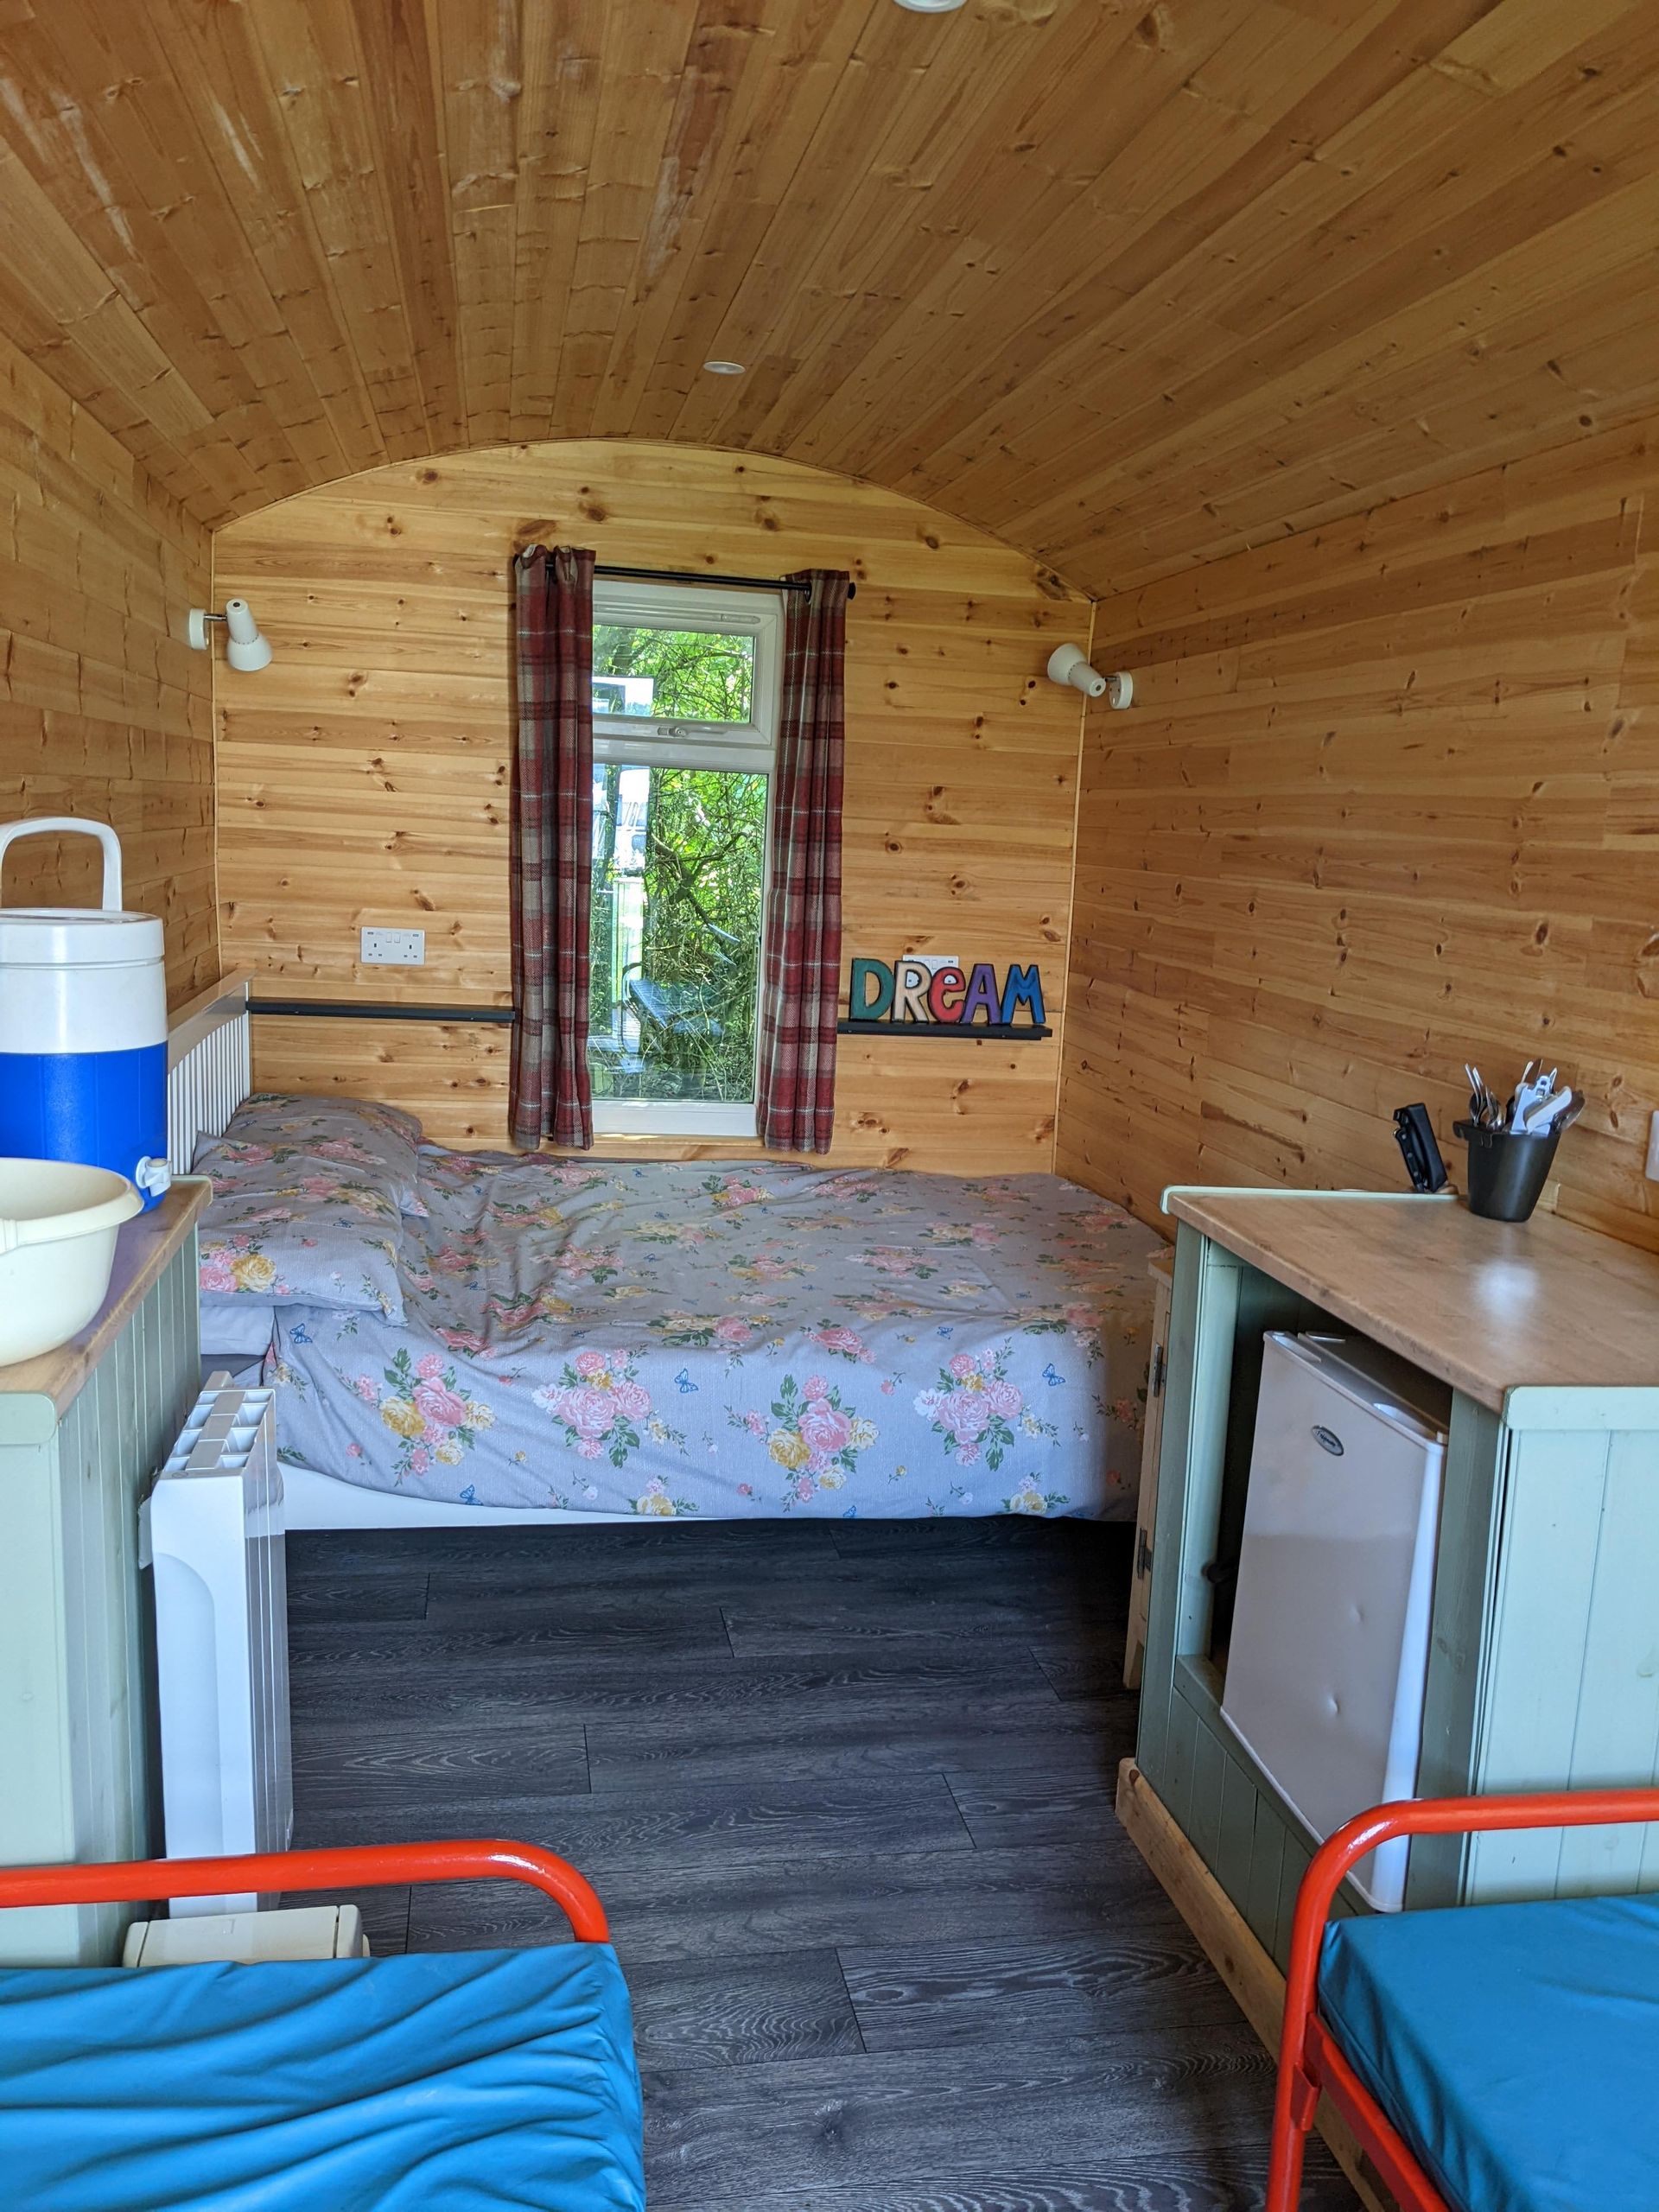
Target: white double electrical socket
394,948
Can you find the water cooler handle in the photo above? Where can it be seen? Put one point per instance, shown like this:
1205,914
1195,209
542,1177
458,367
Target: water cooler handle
49,824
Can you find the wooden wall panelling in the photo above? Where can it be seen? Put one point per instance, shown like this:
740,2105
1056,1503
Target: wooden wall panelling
1133,288
1385,804
104,708
365,775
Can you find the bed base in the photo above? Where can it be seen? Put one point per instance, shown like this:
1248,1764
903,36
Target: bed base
314,1500
1311,2064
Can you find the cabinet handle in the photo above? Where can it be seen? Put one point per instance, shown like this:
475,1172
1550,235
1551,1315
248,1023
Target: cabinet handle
1155,1380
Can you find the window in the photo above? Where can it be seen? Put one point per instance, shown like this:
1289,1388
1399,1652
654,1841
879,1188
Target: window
685,696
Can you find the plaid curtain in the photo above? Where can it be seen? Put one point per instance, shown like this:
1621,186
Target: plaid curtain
552,846
796,1107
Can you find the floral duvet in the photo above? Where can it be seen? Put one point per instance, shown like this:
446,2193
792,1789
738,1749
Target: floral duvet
684,1338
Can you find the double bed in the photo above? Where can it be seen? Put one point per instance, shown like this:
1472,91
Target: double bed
554,1338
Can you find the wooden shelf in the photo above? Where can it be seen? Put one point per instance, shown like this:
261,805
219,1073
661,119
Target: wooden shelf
956,1030
1490,1306
143,1248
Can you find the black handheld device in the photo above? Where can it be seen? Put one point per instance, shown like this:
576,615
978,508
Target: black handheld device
1414,1133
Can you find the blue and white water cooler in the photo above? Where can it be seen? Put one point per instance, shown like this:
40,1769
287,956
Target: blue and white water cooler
83,1027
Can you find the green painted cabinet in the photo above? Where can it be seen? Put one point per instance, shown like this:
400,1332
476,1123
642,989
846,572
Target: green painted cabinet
77,1710
1544,1660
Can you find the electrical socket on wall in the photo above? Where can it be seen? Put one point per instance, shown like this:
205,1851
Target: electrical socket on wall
394,948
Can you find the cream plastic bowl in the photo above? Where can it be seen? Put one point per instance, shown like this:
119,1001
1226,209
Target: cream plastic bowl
57,1247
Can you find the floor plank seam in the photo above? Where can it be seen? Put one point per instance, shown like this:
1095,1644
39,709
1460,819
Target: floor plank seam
852,2008
1053,1687
973,1842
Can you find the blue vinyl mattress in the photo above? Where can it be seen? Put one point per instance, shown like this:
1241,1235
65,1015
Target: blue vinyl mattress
452,2082
1516,2047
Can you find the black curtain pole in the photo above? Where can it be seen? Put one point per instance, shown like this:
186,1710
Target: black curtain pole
699,576
379,1010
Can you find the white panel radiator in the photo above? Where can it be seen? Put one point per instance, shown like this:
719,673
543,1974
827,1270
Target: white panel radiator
208,1073
215,1533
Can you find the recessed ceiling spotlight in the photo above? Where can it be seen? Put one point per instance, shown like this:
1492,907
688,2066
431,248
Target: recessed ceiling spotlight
930,7
724,368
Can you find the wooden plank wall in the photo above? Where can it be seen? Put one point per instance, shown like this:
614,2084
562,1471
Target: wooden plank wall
104,708
364,776
1388,801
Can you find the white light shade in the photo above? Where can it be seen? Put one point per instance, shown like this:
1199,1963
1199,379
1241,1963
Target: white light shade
930,7
1069,665
724,368
246,646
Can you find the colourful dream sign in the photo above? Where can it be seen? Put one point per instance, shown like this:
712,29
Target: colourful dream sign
913,993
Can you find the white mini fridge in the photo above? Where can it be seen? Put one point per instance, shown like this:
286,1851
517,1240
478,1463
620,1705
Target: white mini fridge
1330,1637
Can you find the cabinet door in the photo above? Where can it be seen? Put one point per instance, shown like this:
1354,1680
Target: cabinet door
1146,1518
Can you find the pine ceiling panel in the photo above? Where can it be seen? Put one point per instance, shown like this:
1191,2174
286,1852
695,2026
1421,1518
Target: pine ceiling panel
1133,286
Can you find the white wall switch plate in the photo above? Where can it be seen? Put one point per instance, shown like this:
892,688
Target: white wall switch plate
934,961
1651,1171
394,948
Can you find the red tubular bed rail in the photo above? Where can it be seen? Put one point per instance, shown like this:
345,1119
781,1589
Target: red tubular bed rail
1310,2062
136,1881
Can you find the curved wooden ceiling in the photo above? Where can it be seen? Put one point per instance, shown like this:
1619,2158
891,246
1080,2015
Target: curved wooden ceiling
1131,286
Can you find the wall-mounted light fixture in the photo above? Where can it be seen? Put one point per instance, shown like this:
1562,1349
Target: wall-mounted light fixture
1070,664
246,645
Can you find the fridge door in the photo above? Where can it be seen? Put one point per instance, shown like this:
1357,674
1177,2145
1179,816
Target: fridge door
1330,1640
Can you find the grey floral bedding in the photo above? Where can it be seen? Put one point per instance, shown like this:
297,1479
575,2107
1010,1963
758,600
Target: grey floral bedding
670,1338
308,1200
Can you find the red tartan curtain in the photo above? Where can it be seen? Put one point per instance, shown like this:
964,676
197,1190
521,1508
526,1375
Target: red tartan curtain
796,1106
552,846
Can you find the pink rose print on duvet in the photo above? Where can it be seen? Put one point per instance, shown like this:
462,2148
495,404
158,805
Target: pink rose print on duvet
846,1343
956,1233
895,1259
422,1403
974,1406
812,1435
601,1406
699,1332
731,1191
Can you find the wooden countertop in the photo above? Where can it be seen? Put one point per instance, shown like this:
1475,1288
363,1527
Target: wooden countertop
1490,1306
143,1248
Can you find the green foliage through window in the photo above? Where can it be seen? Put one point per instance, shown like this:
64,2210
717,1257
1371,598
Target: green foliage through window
678,867
693,676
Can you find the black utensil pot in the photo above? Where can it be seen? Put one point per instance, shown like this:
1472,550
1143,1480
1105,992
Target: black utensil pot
1507,1172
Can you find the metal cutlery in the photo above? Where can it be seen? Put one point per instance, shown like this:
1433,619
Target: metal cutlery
1482,1102
1558,1111
1535,1107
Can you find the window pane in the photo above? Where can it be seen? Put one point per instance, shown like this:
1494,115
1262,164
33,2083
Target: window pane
678,859
688,675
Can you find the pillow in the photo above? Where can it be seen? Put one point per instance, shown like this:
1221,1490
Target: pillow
381,1142
309,1197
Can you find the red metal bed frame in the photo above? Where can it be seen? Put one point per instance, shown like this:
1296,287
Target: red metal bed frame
139,1880
1310,2063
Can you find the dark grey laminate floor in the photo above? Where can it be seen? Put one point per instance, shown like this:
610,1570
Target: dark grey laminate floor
846,1789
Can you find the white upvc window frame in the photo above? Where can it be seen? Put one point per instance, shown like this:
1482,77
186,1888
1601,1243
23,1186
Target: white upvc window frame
639,741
